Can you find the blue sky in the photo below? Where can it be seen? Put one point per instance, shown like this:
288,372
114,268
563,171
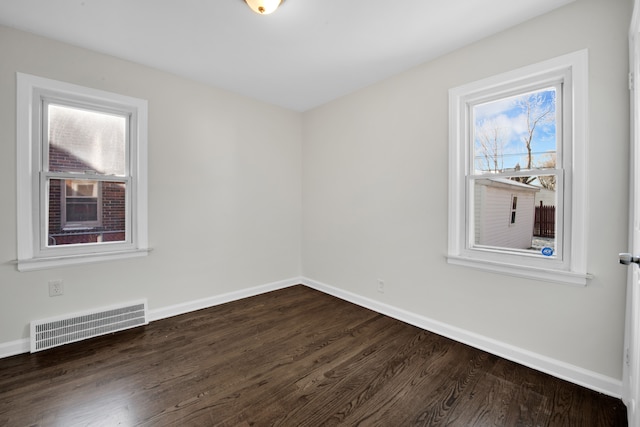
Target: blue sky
508,117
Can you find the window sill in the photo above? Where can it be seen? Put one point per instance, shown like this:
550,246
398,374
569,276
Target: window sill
67,260
556,276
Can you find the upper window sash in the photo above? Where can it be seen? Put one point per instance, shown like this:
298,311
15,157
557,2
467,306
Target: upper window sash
551,82
126,113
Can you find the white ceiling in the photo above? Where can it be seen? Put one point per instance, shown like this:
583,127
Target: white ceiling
306,53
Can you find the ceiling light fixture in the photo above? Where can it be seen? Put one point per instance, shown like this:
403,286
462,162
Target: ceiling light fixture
263,7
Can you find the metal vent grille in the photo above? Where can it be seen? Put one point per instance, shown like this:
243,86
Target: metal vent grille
48,333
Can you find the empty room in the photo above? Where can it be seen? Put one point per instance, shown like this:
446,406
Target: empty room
329,212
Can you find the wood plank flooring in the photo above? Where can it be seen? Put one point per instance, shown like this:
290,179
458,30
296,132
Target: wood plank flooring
294,357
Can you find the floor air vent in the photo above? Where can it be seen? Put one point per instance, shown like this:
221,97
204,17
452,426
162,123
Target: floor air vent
52,332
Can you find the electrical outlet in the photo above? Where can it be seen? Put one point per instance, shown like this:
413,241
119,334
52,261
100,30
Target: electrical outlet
627,357
56,288
381,286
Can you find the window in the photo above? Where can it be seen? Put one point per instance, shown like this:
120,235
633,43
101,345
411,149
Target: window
82,189
80,204
517,172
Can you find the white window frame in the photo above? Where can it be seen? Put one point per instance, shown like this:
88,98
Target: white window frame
570,265
32,94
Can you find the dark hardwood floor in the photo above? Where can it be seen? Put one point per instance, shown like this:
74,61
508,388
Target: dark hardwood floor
294,357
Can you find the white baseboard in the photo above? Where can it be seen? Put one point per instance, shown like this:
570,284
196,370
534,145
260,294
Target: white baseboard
12,348
575,374
174,310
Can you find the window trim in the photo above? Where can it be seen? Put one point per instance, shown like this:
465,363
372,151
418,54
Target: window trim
572,268
31,90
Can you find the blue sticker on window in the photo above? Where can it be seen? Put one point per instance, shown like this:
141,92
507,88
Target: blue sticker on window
547,251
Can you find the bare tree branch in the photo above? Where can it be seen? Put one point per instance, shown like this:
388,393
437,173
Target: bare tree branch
490,142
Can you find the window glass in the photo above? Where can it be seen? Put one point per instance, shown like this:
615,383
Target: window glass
511,215
516,133
85,143
84,211
514,138
83,140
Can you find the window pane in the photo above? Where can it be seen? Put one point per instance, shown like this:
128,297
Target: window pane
515,133
81,188
511,214
86,211
82,140
82,209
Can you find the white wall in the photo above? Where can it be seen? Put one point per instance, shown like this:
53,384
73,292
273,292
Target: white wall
375,196
224,190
